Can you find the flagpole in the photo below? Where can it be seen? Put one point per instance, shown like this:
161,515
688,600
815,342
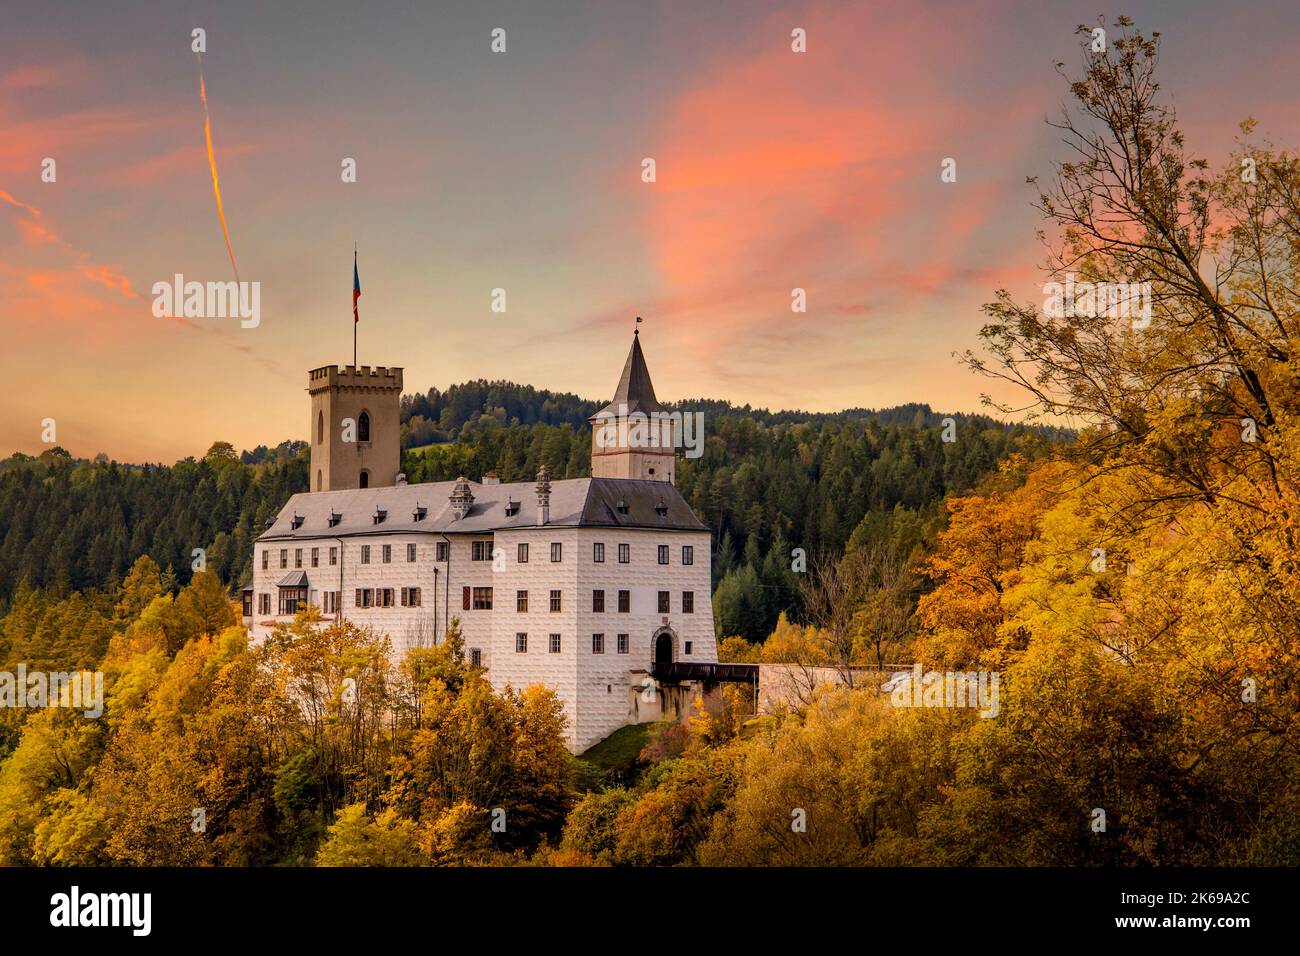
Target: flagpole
354,309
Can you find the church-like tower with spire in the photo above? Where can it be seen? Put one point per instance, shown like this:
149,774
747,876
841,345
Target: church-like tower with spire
634,436
598,588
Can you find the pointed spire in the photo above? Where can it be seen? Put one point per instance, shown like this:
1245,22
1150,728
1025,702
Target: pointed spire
635,391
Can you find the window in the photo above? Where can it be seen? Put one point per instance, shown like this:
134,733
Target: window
663,554
284,558
365,479
598,602
624,554
686,647
297,557
363,429
598,643
410,597
410,553
522,553
688,554
521,602
482,599
521,643
555,601
388,554
622,643
247,603
688,602
480,551
365,597
264,604
332,602
555,643
598,552
266,558
384,597
624,601
475,657
320,434
365,554
334,556
557,552
663,602
442,549
315,557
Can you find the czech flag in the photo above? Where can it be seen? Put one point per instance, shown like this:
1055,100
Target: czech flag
356,288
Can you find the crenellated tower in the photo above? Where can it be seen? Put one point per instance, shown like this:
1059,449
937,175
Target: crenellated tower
355,426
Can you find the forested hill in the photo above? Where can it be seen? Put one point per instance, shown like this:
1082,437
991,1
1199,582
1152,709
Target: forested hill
766,482
439,416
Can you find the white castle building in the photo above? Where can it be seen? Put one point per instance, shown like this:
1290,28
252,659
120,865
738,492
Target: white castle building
584,585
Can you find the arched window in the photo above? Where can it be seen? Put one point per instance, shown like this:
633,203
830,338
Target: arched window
363,427
365,479
320,428
318,479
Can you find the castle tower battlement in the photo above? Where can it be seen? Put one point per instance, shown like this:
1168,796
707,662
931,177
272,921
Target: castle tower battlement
365,376
355,426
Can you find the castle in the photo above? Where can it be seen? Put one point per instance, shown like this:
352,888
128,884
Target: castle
598,588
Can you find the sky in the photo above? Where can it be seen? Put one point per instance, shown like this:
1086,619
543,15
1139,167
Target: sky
523,170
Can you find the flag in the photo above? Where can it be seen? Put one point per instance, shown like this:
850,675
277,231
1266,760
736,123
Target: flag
356,288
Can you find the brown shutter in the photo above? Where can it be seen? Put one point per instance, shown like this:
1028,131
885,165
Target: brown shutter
464,598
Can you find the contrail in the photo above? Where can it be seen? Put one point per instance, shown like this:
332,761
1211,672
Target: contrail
212,161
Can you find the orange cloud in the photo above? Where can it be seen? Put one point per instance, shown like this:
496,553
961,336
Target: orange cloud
36,234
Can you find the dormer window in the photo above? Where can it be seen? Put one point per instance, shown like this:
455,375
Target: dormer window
622,507
380,515
296,523
661,509
512,508
335,518
419,513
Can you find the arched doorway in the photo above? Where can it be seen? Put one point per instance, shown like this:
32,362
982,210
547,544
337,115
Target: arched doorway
664,648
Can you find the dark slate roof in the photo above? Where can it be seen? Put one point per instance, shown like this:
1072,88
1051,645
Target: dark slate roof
575,502
635,390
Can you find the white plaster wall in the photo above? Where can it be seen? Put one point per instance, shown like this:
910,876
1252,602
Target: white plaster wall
593,687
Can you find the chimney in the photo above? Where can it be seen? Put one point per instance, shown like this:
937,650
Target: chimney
491,478
543,497
462,498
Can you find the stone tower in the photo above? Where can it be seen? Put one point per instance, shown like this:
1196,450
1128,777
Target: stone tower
634,436
355,426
